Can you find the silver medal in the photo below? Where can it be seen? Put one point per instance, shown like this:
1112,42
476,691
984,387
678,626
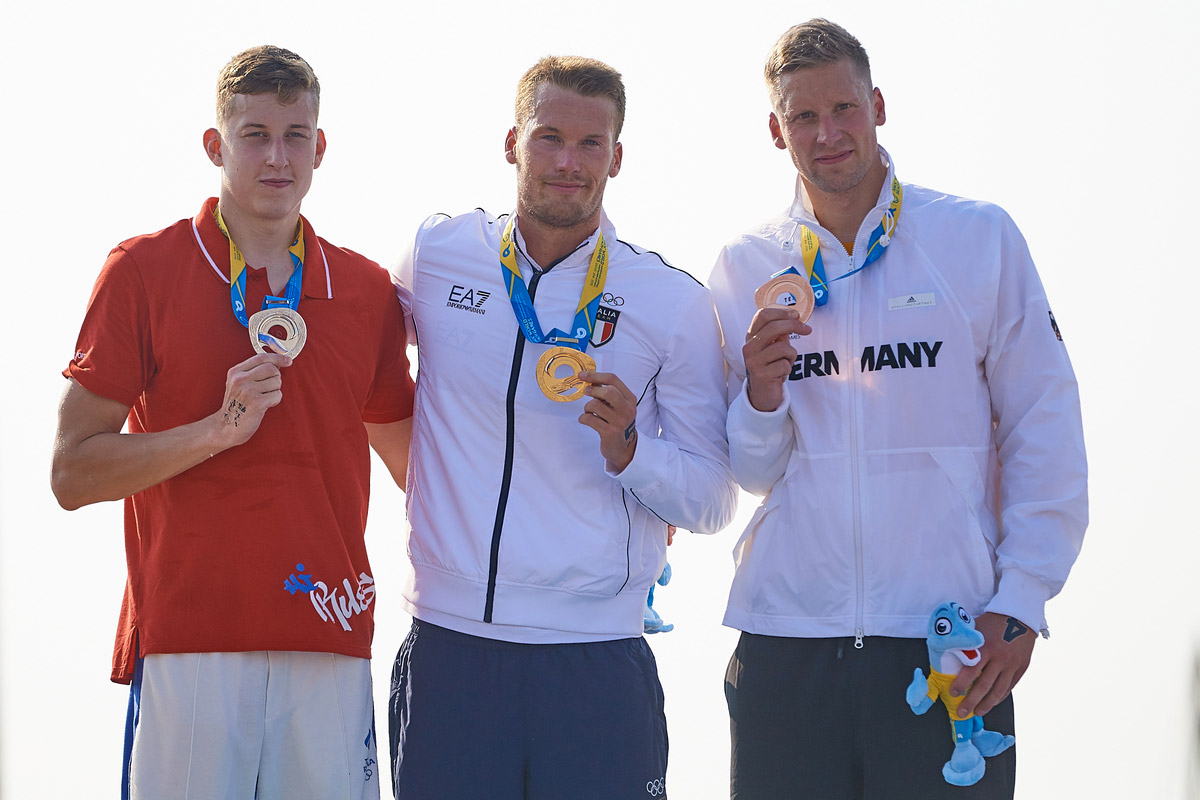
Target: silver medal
296,332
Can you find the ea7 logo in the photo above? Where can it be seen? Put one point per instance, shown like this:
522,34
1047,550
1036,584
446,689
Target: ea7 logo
461,295
467,299
606,325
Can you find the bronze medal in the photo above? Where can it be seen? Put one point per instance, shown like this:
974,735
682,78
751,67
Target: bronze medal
568,387
295,331
787,291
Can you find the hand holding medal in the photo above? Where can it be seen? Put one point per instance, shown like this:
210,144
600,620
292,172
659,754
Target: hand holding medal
251,389
611,412
769,355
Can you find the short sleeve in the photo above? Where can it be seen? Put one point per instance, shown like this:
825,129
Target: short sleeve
391,397
114,357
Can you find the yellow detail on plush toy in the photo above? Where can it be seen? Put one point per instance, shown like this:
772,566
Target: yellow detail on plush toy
939,689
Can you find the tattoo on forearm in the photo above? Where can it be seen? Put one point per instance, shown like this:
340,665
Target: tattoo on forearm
1015,630
632,429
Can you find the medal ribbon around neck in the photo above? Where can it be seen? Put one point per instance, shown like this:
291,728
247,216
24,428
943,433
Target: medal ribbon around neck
237,275
522,303
810,248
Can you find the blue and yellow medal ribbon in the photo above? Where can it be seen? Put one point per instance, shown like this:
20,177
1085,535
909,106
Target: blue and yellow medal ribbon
522,303
810,248
237,274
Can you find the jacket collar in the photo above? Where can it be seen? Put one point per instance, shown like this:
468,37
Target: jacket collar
801,207
581,256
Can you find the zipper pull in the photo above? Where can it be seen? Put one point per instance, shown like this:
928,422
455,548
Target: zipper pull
858,639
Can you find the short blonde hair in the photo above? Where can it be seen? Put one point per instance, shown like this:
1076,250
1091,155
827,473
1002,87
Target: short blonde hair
266,69
812,44
585,76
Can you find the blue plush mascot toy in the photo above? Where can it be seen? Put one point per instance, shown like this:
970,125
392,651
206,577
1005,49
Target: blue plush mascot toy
953,642
651,621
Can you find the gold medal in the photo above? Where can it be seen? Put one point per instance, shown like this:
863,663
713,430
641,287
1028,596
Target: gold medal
568,387
295,331
787,291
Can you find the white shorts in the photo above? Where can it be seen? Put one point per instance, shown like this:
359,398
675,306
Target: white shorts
266,725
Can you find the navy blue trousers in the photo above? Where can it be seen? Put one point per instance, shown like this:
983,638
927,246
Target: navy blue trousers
478,718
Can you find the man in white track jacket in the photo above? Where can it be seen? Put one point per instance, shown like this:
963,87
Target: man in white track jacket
917,441
538,522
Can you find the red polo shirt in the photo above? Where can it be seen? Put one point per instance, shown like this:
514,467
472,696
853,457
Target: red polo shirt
260,547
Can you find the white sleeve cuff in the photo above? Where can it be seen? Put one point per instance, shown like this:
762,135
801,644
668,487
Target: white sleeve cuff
754,427
644,470
1021,596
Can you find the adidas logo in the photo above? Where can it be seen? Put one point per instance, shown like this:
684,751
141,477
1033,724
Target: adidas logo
911,301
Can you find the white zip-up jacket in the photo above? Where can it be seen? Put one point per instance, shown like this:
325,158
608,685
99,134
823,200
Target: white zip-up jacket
518,532
929,446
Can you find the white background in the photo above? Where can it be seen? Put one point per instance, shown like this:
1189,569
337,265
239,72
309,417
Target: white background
1078,118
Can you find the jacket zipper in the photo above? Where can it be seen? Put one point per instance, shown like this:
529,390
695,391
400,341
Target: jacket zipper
510,410
852,290
855,493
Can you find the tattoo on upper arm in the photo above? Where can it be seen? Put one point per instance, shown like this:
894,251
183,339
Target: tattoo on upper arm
1015,630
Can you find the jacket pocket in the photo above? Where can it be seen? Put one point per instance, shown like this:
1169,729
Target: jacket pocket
928,532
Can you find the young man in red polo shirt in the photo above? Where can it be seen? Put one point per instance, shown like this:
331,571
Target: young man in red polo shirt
251,362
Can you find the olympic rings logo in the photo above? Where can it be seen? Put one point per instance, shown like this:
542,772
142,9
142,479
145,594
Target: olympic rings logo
656,788
612,299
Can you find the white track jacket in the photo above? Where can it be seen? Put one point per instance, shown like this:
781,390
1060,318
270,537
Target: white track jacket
518,532
929,446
